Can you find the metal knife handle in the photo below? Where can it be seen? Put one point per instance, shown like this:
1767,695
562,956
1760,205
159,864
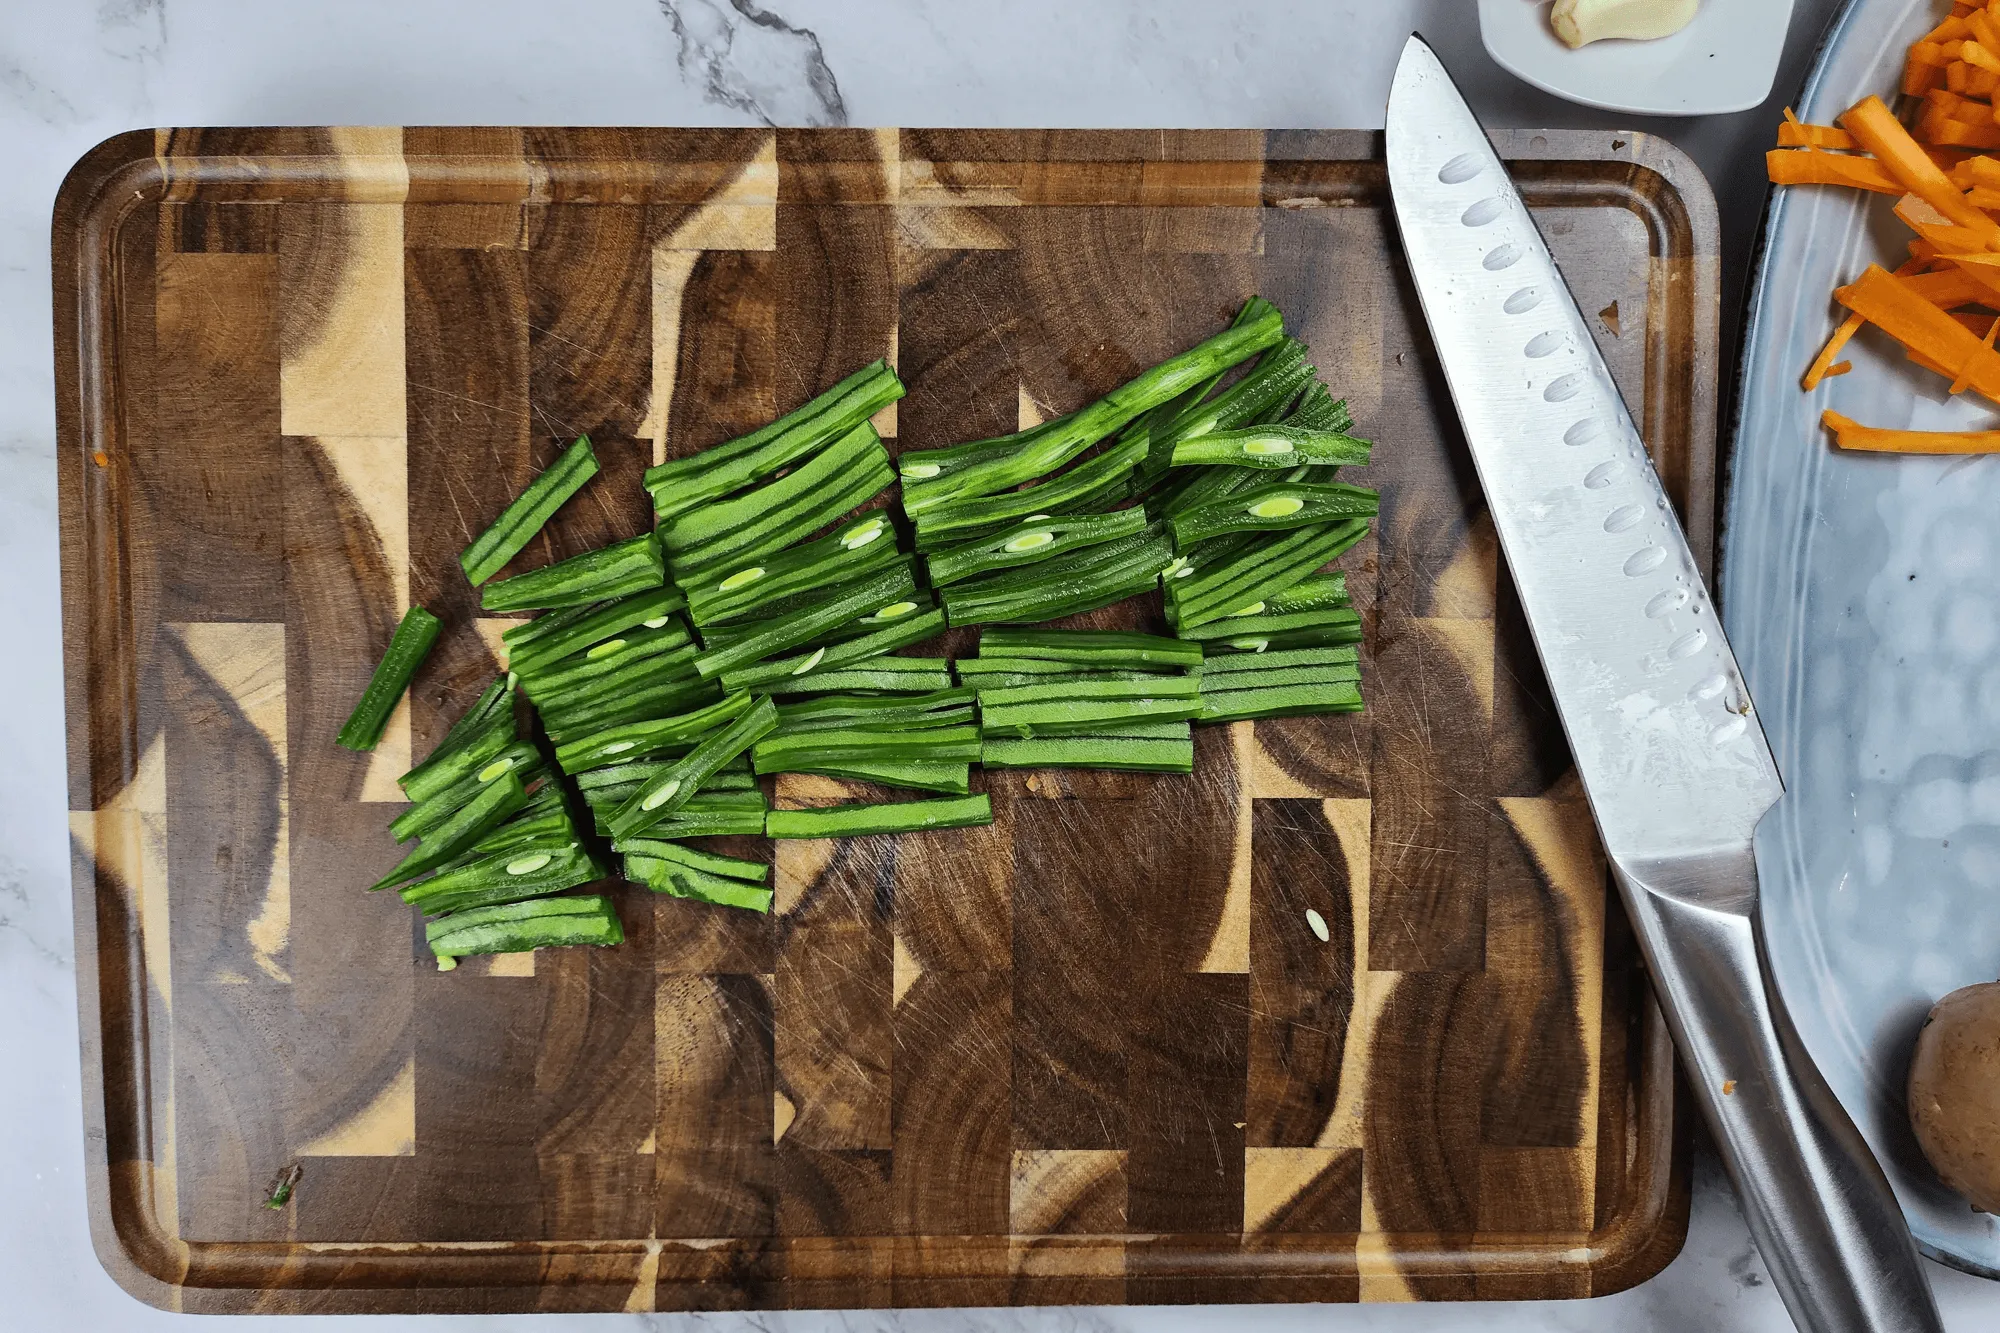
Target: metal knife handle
1819,1207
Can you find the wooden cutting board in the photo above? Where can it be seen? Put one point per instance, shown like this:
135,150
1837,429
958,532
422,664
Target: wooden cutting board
1092,1054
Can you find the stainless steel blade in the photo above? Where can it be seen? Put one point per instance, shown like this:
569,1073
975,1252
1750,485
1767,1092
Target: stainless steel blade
1676,768
1661,725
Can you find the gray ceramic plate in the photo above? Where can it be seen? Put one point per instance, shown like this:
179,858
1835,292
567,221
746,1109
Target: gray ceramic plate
1860,594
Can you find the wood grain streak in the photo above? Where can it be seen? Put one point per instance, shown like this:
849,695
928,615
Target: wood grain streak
1302,989
951,1160
1074,958
212,477
831,996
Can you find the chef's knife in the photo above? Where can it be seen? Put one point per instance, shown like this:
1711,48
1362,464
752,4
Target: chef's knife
1672,758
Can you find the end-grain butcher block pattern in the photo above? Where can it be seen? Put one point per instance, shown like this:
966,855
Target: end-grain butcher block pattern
1346,1015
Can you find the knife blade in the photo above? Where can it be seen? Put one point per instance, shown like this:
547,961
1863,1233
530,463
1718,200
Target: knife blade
1673,762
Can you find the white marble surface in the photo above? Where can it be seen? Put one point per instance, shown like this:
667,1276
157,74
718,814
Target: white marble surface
72,73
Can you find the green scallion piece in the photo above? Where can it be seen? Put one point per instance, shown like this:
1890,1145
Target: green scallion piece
1271,508
512,875
855,821
638,740
1031,541
1129,754
539,923
1082,581
521,759
1096,649
727,534
532,648
1271,447
614,571
663,795
408,647
894,586
916,774
729,867
485,812
801,669
885,673
1095,483
521,520
683,484
1251,568
1333,696
1086,707
821,748
721,595
930,478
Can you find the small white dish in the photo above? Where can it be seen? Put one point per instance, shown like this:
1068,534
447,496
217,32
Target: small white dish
1722,61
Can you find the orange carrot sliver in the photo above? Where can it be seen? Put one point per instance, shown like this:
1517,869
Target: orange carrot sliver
1952,287
1945,100
1887,302
1822,365
1931,225
1985,276
1797,134
1805,166
1849,434
1962,133
1976,171
1958,381
1876,129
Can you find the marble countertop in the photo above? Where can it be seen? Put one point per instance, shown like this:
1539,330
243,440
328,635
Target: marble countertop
72,74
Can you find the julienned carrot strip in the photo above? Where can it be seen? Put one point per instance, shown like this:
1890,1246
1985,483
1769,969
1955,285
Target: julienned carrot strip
1877,130
1950,29
1850,434
1933,226
1798,134
1919,79
1958,381
1943,100
1807,166
1976,171
1886,301
1944,290
1822,365
1964,134
1979,325
1919,359
1985,276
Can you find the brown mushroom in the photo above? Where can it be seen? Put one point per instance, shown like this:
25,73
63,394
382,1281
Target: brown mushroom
1954,1093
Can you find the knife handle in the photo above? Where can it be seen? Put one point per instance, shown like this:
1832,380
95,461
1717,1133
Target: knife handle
1818,1205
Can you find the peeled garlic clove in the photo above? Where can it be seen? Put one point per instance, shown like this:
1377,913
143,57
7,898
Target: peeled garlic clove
1580,22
